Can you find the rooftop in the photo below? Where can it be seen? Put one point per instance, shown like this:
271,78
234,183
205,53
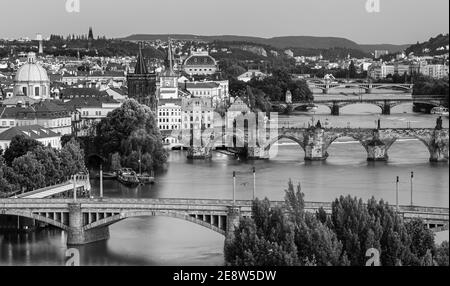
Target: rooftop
30,131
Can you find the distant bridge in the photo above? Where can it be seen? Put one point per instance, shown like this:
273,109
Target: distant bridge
87,220
326,86
385,103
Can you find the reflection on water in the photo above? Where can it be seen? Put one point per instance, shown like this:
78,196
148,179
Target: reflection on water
169,241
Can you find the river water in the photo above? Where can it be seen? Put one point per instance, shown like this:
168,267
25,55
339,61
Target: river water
168,241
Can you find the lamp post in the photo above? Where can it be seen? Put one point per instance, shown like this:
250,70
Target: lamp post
254,183
396,193
101,181
234,188
412,178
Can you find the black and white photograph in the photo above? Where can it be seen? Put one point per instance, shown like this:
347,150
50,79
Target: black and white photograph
237,136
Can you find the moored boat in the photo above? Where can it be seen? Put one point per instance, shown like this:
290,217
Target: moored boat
128,177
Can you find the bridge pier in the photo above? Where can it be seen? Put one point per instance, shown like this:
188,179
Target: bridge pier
377,148
257,153
317,144
386,109
335,109
325,90
76,235
198,152
369,90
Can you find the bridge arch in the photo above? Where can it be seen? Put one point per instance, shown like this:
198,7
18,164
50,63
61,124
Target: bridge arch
380,105
36,217
272,141
145,213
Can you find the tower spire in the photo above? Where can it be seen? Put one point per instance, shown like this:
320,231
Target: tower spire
170,56
140,68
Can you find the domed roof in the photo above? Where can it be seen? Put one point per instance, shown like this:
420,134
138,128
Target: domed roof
199,59
31,71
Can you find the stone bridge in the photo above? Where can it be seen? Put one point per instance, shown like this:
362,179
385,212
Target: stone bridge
87,220
384,103
315,141
368,87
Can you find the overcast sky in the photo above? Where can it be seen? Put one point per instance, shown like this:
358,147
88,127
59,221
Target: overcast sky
398,22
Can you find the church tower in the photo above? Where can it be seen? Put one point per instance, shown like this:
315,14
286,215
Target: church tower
142,84
90,38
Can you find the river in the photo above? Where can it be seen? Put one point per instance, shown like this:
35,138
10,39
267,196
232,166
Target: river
168,241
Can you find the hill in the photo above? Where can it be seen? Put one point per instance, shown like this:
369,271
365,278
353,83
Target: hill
434,46
305,42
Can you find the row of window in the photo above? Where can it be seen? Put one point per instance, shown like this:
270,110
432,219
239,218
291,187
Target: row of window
168,127
86,113
176,113
167,120
200,70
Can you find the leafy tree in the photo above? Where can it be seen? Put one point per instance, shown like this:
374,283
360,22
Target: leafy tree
51,162
422,240
265,240
19,146
131,129
30,172
442,254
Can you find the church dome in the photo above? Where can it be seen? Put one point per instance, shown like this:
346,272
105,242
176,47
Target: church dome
31,79
31,72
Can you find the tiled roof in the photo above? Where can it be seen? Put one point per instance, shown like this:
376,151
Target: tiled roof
14,100
81,92
195,85
30,131
89,101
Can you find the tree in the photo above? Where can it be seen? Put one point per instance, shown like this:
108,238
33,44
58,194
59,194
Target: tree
315,241
442,254
422,241
19,145
50,160
265,240
71,159
130,130
30,173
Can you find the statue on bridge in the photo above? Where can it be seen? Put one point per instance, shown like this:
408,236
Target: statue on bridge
439,123
318,125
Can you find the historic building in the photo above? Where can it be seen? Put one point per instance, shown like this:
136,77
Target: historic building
44,135
200,63
142,84
31,79
44,113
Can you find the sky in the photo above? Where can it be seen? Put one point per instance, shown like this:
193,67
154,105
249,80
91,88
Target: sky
396,22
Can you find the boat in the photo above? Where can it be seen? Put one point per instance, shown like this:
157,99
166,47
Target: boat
145,178
128,177
107,176
440,111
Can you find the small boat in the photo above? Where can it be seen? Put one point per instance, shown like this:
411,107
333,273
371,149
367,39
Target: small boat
128,177
146,179
440,111
107,175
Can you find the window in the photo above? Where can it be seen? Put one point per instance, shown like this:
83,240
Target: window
11,123
24,90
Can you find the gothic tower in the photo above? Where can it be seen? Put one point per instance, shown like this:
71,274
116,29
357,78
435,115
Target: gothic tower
90,38
142,84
